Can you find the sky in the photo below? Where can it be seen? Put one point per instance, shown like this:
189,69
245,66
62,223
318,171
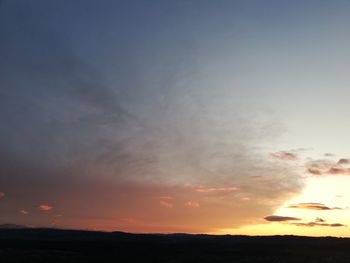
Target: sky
191,116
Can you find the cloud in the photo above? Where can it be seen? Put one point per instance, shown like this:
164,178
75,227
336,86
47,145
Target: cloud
24,212
2,194
319,167
286,156
312,224
274,218
313,206
343,161
314,171
209,189
192,204
324,167
166,201
319,220
338,170
166,198
45,207
166,204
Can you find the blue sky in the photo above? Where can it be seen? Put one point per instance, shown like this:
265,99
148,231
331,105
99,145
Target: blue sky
172,100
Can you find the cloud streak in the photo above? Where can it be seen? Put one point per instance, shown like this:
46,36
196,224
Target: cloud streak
275,218
313,224
45,208
313,206
285,156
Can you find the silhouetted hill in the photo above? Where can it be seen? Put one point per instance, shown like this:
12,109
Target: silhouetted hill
12,226
55,245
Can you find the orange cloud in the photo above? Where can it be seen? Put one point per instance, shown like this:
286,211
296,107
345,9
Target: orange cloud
45,208
313,206
338,170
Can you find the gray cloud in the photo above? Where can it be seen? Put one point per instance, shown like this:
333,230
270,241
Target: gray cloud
313,206
275,218
320,167
286,156
312,224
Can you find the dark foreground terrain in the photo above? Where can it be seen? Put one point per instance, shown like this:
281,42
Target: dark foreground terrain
49,245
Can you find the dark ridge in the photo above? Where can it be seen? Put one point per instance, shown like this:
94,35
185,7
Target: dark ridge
12,226
57,245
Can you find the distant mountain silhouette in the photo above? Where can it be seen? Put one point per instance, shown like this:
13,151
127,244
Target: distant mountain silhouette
12,226
57,245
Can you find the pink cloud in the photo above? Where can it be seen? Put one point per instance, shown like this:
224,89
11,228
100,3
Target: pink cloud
45,208
166,204
192,204
2,194
24,212
166,198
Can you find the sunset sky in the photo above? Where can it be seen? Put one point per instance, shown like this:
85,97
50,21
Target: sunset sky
164,116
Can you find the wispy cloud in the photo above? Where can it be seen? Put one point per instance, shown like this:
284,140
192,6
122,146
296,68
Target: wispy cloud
166,204
45,207
23,212
318,222
206,189
166,201
192,204
312,224
284,155
313,206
